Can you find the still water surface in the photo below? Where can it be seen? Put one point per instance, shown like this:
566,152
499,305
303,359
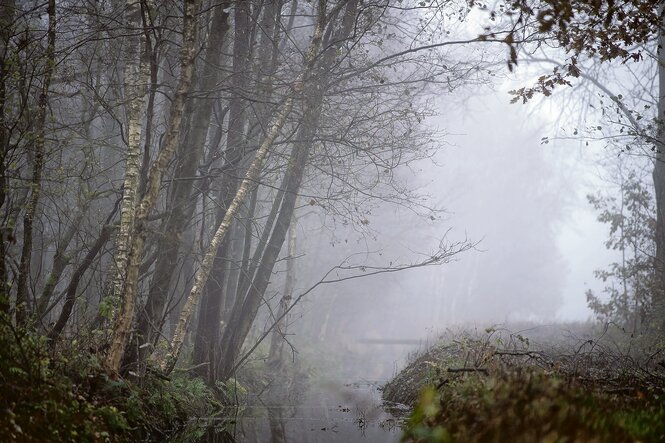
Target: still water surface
342,404
335,410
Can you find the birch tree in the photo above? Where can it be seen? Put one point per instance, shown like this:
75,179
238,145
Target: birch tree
167,362
180,206
136,234
135,78
220,290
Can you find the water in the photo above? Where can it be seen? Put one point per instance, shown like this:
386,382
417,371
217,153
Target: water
333,410
340,403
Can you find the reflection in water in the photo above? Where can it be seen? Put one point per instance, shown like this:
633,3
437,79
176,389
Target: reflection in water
277,427
329,411
214,435
336,405
278,398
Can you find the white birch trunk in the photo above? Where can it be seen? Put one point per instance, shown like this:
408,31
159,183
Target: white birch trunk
135,90
168,361
133,251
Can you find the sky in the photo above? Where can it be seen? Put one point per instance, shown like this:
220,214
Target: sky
569,166
521,202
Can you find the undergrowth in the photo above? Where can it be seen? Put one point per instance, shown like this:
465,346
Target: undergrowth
70,398
499,386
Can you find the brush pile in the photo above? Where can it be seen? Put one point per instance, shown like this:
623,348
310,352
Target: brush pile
600,385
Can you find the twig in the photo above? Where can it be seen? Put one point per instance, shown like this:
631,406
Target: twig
453,370
205,363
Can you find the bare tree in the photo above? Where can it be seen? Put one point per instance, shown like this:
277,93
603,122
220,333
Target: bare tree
136,235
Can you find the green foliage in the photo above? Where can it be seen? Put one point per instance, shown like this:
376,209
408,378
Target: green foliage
527,406
421,424
71,399
629,282
232,389
496,387
41,404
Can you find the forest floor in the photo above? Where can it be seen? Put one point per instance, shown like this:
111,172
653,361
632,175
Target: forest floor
64,395
544,384
540,384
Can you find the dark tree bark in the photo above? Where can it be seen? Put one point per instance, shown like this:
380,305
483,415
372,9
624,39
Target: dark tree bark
659,186
125,318
245,309
279,332
6,18
167,361
210,311
180,207
61,260
70,297
23,300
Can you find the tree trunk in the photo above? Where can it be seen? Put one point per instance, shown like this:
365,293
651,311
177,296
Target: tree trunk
210,311
180,205
245,310
268,50
22,291
6,18
207,332
134,96
659,186
135,89
167,362
208,324
126,316
60,262
70,297
279,332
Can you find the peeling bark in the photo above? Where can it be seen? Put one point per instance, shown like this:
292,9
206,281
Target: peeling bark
208,324
245,310
125,317
181,208
135,79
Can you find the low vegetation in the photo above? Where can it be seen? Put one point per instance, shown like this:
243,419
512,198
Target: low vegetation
69,398
502,386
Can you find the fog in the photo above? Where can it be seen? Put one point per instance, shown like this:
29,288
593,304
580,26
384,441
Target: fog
255,194
520,203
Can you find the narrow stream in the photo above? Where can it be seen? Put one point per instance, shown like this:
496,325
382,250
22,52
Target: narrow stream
331,408
336,410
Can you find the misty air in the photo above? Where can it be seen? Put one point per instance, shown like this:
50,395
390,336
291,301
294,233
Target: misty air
332,221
